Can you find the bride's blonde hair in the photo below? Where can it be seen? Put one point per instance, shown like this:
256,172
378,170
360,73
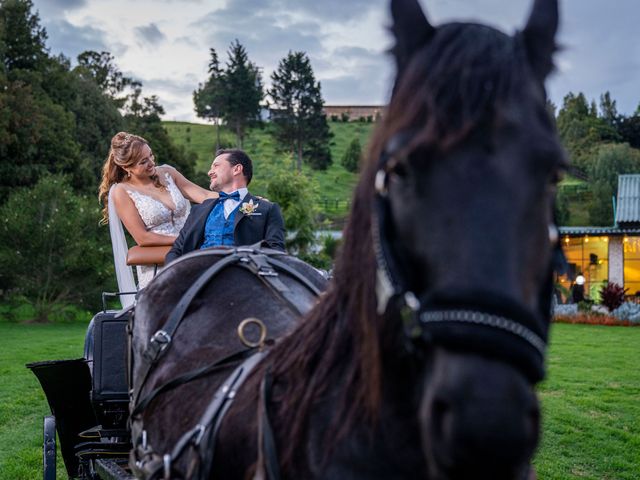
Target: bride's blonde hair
126,151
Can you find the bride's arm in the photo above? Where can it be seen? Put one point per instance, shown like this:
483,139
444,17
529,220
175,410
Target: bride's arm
130,217
190,190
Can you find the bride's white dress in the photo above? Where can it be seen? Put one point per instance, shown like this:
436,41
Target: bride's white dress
158,218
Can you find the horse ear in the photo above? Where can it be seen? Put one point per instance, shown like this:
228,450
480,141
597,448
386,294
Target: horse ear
539,36
411,30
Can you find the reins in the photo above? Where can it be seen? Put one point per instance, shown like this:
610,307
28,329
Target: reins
262,264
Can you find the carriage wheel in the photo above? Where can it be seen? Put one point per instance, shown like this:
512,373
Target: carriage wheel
49,448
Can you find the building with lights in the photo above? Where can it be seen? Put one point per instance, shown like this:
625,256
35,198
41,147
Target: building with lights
607,254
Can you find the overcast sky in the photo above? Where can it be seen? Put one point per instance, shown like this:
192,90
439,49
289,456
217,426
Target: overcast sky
165,43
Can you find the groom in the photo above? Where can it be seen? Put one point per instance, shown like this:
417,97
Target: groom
236,218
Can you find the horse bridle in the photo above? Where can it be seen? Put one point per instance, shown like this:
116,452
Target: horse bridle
496,326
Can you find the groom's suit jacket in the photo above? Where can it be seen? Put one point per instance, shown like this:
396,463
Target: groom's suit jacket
264,225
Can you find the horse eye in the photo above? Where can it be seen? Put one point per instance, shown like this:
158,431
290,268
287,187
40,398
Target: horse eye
400,169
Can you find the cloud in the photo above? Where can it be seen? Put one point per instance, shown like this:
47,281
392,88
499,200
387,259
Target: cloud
182,86
366,84
56,8
64,37
150,34
336,11
187,40
266,37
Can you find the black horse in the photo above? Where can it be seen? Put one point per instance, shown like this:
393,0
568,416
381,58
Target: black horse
420,360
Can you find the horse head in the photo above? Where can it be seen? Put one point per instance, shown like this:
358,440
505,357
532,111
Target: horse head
464,231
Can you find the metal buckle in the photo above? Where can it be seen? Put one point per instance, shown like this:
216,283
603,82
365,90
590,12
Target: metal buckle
267,272
161,338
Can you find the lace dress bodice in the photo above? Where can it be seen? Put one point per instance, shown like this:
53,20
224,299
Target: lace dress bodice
158,218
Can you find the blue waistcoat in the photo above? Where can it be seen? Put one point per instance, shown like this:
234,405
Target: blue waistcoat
219,230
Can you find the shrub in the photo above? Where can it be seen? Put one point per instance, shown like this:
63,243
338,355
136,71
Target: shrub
345,117
612,295
334,118
628,311
52,251
294,193
351,158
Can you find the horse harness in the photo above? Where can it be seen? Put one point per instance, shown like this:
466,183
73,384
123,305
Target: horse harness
199,441
470,321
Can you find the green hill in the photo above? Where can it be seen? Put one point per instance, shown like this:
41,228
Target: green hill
335,185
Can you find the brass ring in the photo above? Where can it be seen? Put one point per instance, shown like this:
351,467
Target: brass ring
263,332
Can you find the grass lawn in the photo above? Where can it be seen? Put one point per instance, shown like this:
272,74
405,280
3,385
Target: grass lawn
22,402
591,404
591,400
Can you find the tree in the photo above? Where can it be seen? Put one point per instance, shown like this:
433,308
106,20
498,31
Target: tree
630,130
294,193
209,98
100,67
610,160
581,129
23,39
299,122
38,137
243,91
51,248
351,158
609,113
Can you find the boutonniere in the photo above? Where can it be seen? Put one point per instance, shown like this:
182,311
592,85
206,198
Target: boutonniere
249,208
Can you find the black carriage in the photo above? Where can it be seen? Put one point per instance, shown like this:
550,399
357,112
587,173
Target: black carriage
89,396
89,402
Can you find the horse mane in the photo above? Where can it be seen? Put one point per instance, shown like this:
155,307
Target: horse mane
452,88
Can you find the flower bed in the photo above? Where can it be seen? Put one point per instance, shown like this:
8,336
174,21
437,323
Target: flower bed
594,319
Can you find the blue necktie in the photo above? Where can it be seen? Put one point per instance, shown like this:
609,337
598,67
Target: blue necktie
230,196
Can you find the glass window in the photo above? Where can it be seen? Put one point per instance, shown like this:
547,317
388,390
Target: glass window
631,249
587,256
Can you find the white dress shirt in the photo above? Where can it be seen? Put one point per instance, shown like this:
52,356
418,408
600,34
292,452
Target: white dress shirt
230,205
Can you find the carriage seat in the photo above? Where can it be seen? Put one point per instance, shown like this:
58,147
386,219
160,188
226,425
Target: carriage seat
147,255
106,346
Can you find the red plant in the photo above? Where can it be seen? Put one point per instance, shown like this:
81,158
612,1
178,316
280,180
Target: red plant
612,295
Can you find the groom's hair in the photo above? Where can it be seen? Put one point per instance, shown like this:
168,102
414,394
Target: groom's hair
237,156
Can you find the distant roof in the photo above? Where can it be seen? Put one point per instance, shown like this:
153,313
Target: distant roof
596,231
628,204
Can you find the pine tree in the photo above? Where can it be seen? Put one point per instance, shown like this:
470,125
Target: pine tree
300,124
351,158
209,98
243,91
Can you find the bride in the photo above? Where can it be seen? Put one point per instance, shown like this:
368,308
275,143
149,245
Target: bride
151,201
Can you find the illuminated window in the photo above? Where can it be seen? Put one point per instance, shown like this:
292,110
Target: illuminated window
631,249
588,256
